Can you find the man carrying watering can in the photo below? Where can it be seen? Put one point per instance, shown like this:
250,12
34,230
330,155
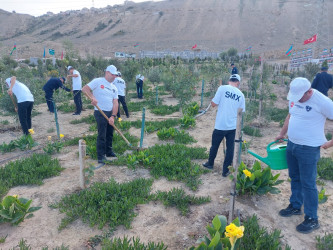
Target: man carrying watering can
308,111
228,98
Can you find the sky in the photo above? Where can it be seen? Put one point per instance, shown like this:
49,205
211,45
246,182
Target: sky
40,7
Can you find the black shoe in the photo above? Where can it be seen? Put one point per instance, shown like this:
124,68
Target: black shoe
111,155
290,211
127,116
308,225
76,114
104,160
225,174
207,165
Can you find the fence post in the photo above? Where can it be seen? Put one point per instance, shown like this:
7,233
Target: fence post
142,126
202,91
82,155
235,163
156,95
56,119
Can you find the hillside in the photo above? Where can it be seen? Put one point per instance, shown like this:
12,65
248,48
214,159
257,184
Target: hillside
213,25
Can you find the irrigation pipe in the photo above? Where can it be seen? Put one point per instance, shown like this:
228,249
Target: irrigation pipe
203,112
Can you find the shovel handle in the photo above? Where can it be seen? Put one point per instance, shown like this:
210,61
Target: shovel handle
11,97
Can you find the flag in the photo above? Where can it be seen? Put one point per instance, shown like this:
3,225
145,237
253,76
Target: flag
13,49
249,48
44,53
136,45
311,40
51,52
288,53
194,46
62,55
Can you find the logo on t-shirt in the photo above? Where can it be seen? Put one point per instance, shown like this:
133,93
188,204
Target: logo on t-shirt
308,108
232,96
292,104
102,86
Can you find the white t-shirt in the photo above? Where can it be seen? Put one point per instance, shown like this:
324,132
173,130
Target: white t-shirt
77,82
307,120
120,85
104,93
22,92
228,99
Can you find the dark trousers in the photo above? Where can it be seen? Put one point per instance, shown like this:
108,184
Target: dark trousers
105,134
24,110
121,99
139,86
77,101
49,101
217,138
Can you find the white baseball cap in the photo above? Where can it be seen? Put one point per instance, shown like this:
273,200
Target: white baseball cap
69,67
298,87
112,69
8,82
235,76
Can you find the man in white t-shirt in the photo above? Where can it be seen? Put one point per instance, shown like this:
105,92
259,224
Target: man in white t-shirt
103,93
121,86
228,98
76,87
25,102
308,110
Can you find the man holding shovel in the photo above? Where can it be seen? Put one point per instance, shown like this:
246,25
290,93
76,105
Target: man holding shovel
103,93
25,102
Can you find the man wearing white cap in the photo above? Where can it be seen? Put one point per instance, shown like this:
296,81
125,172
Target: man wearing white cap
228,98
25,102
76,87
121,86
103,93
139,85
308,111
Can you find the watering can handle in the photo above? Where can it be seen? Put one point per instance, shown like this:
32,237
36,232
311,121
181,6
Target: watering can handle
269,145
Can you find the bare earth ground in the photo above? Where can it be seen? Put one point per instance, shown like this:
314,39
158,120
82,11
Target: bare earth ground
154,222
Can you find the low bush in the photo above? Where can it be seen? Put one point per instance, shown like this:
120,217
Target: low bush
181,137
178,198
131,244
90,119
324,242
325,168
165,109
28,171
23,143
248,130
66,107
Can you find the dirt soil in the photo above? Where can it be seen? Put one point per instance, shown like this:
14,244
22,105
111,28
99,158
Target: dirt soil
154,222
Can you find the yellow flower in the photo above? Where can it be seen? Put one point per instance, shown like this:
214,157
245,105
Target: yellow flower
61,136
31,131
119,119
49,138
244,141
233,233
247,173
15,196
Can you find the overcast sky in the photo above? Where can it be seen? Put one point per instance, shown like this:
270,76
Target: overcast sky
40,7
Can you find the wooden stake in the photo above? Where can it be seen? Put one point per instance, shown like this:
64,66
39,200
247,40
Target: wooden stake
235,163
82,155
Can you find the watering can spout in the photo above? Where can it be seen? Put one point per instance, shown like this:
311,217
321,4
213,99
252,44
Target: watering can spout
265,160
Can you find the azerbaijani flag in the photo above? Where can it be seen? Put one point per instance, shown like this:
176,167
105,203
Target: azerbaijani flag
136,45
288,53
13,49
249,48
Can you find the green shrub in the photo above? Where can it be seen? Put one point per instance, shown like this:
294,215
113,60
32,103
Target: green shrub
325,168
178,198
256,180
165,109
90,119
103,204
66,107
23,143
181,137
248,130
28,171
277,114
130,244
187,121
324,242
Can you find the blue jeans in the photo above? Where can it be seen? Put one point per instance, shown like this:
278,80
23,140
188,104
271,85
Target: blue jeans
302,165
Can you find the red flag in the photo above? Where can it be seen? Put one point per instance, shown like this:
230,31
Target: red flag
194,46
62,55
311,40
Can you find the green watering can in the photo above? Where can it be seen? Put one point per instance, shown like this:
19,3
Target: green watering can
276,156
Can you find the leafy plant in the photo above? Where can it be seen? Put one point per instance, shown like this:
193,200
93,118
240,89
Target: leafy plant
88,119
23,143
53,147
164,109
191,109
105,203
14,209
222,236
66,107
324,242
187,121
172,133
248,130
28,171
130,244
325,168
256,180
3,239
178,198
328,136
322,197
